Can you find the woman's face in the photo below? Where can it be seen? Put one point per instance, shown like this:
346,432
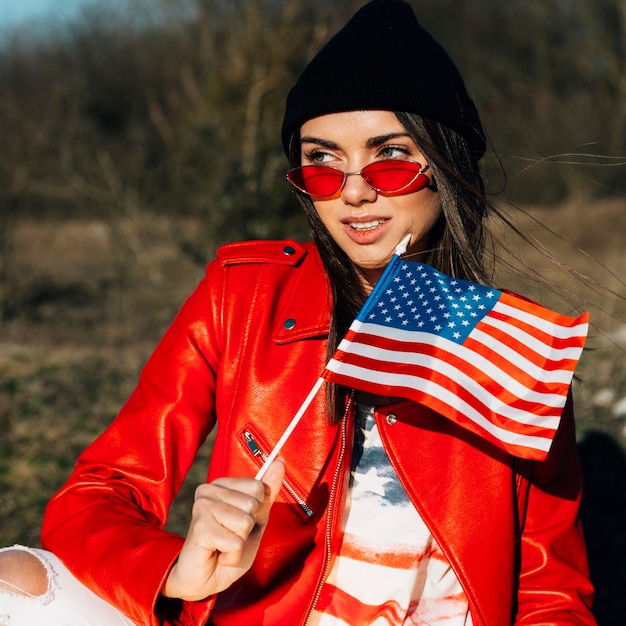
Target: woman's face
366,224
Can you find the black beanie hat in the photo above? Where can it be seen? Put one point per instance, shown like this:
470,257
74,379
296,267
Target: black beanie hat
383,59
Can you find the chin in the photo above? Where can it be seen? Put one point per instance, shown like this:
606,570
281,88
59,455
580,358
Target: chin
372,266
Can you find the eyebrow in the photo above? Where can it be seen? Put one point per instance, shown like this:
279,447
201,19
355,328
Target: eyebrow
320,142
372,142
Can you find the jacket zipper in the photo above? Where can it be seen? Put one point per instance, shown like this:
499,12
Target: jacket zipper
261,454
331,507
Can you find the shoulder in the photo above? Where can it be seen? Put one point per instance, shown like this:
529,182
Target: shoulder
272,281
284,252
273,266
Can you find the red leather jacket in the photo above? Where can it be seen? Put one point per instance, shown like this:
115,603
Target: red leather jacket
243,352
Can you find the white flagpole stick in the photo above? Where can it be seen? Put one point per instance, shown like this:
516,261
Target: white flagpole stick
402,246
294,422
400,249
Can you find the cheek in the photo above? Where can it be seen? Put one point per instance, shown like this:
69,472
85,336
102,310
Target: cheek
323,208
426,214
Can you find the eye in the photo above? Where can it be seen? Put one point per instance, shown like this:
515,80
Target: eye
316,157
395,152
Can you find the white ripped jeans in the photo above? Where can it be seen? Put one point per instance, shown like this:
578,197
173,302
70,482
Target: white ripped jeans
67,602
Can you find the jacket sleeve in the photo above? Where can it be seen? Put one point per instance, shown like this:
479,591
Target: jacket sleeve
106,523
554,586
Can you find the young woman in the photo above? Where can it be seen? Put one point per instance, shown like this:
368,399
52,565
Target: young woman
379,511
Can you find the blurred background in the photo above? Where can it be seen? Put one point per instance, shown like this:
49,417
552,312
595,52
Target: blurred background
136,136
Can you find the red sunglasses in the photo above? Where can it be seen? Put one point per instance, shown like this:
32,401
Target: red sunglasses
390,176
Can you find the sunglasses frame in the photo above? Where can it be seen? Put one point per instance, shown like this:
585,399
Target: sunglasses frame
420,172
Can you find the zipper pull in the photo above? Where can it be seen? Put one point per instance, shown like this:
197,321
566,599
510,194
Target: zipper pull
252,444
258,452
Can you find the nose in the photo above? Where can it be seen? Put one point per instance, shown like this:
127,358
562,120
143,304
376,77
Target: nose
356,191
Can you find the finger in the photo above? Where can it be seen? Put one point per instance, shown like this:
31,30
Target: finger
273,479
272,483
233,514
228,488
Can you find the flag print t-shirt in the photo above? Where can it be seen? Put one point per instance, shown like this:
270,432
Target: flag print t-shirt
389,569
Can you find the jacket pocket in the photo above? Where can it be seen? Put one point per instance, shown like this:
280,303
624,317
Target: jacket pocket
259,450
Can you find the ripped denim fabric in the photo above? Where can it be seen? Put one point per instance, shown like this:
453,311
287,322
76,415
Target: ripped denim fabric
65,602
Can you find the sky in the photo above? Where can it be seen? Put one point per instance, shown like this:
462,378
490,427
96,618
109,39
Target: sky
15,13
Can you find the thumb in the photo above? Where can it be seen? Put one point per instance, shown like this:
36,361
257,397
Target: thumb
273,479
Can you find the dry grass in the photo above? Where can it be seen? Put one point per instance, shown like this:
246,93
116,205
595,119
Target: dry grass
590,239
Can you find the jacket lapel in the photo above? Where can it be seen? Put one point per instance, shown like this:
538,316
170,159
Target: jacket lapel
463,489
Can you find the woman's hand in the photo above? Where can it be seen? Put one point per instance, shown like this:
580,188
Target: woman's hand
228,518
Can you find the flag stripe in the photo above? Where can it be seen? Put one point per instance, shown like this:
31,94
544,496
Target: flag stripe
491,350
517,354
553,324
338,604
529,410
491,354
384,557
443,401
509,319
497,353
546,346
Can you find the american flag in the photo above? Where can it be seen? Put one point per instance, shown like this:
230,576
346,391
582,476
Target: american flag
495,363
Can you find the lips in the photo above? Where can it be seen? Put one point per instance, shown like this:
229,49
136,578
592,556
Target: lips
370,225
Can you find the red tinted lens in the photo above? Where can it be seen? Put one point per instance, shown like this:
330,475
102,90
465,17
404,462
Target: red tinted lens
391,175
316,180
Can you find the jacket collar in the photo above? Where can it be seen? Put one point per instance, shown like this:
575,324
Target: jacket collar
306,313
